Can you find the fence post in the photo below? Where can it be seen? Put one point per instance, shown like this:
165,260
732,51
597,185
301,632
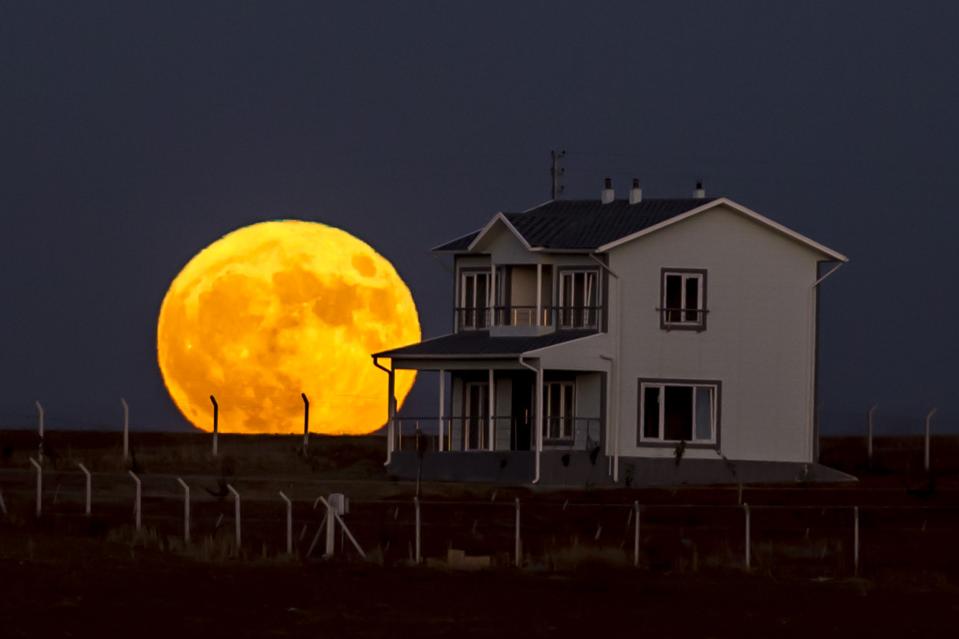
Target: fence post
3,505
748,539
89,482
39,470
517,542
289,523
186,509
869,429
136,504
126,429
236,515
928,422
306,422
330,529
855,540
40,416
636,534
416,507
216,422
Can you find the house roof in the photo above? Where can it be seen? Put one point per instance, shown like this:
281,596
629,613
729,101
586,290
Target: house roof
481,344
583,224
590,225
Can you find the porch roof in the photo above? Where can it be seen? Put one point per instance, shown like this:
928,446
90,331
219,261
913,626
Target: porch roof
479,344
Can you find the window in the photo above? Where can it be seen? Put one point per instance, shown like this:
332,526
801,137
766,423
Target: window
560,409
474,298
683,299
578,299
679,411
475,415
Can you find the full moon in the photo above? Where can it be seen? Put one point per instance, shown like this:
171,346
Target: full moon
276,309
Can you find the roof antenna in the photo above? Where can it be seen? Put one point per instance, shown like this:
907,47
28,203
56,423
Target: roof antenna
556,172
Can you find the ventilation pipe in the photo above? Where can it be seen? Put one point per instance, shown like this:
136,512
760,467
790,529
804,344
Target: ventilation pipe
700,192
635,193
608,194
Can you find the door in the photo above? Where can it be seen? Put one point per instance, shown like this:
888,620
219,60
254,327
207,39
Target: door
475,414
522,411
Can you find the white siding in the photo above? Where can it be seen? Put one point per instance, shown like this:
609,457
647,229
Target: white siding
759,340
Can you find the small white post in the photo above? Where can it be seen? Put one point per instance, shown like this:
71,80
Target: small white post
416,508
3,505
89,490
40,416
139,495
330,529
186,509
289,523
492,411
748,540
855,540
636,534
929,417
236,514
517,543
442,426
39,470
869,428
126,429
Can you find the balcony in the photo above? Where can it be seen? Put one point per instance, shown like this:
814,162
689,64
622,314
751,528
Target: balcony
548,317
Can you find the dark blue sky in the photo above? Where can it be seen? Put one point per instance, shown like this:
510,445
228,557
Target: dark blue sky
134,134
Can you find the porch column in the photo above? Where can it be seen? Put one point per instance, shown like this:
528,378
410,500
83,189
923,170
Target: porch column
391,412
539,294
492,410
539,418
442,408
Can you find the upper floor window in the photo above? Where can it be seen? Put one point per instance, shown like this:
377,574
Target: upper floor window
578,298
472,311
683,299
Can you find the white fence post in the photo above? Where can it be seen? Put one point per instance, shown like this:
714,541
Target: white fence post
517,542
636,534
416,507
186,509
289,523
236,514
89,490
748,539
330,529
39,470
306,422
40,416
855,540
928,422
136,505
126,429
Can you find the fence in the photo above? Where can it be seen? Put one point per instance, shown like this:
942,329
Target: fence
540,532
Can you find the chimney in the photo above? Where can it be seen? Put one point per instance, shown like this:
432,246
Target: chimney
635,193
700,192
608,194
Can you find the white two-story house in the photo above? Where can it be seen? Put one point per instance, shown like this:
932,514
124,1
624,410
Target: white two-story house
633,341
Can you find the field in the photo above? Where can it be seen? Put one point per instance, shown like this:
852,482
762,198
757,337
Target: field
69,574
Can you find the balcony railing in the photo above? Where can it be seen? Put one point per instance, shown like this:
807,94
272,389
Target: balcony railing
472,434
562,317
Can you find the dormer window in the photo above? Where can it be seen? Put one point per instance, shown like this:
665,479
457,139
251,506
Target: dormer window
683,299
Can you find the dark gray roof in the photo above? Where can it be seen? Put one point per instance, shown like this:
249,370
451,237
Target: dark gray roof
586,224
480,343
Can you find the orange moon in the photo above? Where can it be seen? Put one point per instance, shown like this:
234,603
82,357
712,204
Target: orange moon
279,308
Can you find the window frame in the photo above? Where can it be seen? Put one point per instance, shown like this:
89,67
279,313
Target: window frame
478,323
683,325
713,442
592,312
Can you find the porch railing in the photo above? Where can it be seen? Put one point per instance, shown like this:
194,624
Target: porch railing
464,434
561,317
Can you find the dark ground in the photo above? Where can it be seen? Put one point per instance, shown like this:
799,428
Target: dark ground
67,575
